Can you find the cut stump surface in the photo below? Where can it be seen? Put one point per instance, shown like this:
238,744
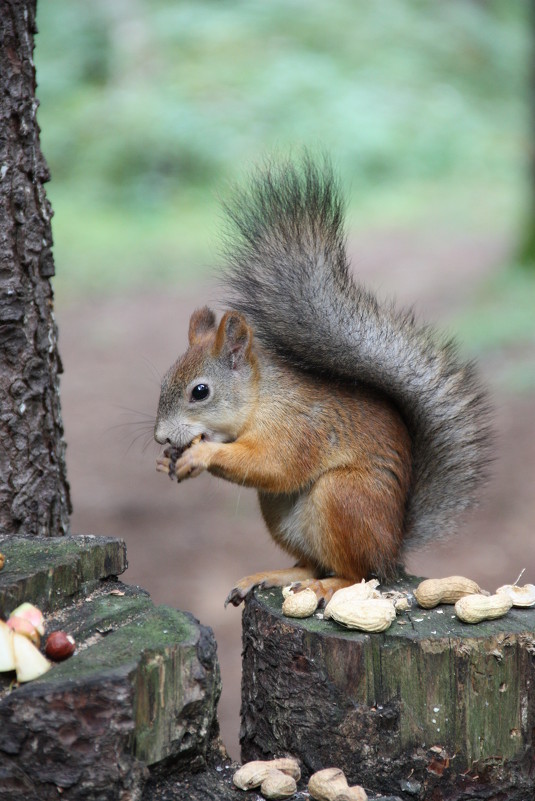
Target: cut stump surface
430,709
140,691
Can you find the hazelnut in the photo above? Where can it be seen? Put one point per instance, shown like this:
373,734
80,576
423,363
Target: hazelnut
59,646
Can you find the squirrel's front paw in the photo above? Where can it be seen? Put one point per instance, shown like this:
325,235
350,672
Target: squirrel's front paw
174,464
164,464
191,463
184,468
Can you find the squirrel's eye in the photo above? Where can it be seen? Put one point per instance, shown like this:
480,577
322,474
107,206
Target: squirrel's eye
200,392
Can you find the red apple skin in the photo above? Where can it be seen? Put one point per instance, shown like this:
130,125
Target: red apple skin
23,626
31,613
59,646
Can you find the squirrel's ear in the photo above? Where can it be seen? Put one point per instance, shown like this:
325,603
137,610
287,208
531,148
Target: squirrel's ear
202,323
233,339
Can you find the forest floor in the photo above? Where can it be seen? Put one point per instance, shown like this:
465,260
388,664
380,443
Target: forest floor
188,544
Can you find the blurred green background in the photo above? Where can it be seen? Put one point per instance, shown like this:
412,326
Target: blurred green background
148,110
148,107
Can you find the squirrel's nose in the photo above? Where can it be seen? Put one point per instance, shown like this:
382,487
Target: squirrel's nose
160,436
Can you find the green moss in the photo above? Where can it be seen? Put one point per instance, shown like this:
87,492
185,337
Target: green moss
149,629
452,682
50,570
433,624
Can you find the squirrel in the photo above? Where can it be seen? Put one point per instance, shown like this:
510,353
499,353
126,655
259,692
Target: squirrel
364,433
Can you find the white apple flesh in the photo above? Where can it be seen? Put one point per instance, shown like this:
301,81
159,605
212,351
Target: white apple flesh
7,651
23,626
29,661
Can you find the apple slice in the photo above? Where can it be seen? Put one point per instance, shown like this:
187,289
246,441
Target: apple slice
7,652
23,626
29,661
31,613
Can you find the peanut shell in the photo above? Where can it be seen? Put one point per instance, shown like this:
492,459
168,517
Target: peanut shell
331,785
401,605
433,592
352,594
475,608
278,785
252,774
300,604
521,596
368,614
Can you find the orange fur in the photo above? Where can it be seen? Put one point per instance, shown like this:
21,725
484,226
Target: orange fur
278,395
331,462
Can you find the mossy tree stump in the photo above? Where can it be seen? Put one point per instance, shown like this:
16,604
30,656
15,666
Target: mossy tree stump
430,709
137,699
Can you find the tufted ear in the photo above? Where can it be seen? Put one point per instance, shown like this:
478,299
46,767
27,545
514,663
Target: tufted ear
201,324
233,339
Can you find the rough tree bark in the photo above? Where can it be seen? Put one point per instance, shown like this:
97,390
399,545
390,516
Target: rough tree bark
432,709
136,701
34,494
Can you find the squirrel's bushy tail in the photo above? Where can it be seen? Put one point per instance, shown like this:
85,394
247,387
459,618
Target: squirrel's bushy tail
288,273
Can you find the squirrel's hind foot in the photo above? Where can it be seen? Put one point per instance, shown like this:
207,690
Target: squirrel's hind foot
323,588
268,578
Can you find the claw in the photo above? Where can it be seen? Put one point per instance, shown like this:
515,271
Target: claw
236,596
171,455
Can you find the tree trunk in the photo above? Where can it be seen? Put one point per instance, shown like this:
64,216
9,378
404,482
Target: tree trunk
430,709
34,494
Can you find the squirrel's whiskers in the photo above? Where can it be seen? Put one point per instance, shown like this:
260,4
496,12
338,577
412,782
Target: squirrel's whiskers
363,432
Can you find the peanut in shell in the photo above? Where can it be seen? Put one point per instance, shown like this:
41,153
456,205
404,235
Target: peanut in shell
278,785
252,774
476,608
367,614
331,784
348,596
300,604
432,592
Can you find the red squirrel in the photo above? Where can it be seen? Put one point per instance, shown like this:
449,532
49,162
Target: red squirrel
363,433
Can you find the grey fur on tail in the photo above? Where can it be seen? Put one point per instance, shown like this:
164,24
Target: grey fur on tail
288,273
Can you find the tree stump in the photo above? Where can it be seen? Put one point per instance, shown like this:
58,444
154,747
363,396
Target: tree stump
139,694
430,709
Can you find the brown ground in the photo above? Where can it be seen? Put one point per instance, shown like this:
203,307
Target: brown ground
188,544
